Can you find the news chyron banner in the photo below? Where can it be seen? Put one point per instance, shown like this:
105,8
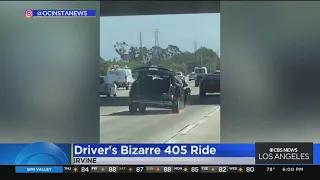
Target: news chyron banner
196,154
46,153
163,154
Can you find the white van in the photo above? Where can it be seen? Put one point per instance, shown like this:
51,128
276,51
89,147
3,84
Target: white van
122,77
200,70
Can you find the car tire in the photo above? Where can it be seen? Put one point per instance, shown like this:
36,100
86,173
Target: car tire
176,107
202,93
142,109
133,108
115,95
108,95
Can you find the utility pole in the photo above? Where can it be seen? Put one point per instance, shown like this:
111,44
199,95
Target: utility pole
156,42
195,46
156,38
141,47
201,56
219,62
195,50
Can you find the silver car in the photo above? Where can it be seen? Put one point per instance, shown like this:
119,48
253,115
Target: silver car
192,76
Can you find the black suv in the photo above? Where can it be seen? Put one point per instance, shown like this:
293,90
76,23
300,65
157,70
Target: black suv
159,88
210,83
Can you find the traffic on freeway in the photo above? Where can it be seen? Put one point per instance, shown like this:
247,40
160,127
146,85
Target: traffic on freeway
151,88
198,122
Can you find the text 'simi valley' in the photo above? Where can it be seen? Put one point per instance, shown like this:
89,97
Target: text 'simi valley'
39,169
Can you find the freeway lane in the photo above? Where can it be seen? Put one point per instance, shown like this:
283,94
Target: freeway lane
160,125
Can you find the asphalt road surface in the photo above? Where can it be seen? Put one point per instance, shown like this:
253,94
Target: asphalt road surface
199,122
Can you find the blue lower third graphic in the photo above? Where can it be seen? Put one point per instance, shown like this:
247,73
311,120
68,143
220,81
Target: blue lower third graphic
40,153
39,169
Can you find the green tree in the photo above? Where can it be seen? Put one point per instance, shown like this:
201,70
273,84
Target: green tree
170,57
104,65
121,49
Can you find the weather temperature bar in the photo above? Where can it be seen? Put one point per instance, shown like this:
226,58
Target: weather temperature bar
155,169
189,169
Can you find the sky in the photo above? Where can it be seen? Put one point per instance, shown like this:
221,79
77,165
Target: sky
181,30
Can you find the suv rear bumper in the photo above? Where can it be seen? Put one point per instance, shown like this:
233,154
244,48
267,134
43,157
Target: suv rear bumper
212,89
155,104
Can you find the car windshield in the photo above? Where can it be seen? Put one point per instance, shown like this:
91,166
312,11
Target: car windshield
198,71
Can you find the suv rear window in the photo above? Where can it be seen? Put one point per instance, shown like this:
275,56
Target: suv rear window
199,71
211,76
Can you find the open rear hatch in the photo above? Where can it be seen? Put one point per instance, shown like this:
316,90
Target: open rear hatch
154,84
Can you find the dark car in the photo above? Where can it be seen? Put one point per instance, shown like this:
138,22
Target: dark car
159,88
198,79
210,83
105,88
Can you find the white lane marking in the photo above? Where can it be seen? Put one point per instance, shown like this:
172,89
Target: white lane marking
188,128
201,121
